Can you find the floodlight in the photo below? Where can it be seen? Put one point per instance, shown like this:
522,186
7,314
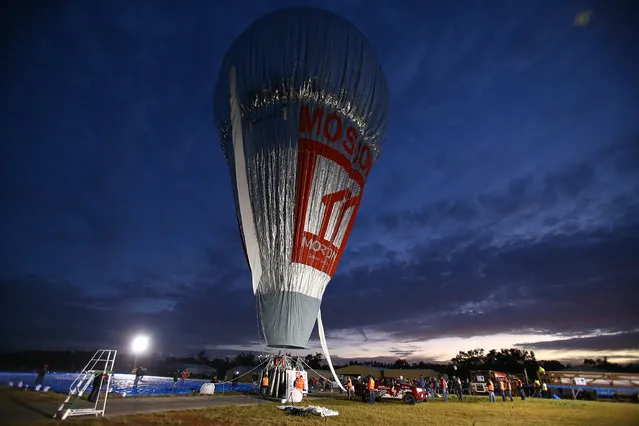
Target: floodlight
140,343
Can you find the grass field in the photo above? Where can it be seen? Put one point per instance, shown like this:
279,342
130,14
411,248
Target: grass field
474,411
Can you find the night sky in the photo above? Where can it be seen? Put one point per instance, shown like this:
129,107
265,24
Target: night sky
503,211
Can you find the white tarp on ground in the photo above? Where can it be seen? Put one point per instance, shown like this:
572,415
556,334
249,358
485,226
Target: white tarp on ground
311,409
207,389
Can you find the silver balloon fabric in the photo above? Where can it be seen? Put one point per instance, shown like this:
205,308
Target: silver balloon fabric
301,105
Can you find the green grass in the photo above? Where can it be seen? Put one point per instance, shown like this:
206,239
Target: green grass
473,411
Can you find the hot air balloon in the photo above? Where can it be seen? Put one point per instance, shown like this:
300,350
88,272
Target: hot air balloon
301,105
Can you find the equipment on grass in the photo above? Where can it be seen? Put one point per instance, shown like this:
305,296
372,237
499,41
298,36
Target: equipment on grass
101,364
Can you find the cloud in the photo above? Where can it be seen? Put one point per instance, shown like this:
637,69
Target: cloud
570,182
459,287
49,313
442,291
403,353
363,334
608,342
577,197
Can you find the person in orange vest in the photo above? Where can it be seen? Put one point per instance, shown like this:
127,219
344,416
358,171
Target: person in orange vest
509,389
371,389
350,390
299,383
502,389
491,390
264,385
520,387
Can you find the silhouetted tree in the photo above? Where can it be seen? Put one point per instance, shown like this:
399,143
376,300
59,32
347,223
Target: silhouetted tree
201,356
314,361
401,363
245,359
552,365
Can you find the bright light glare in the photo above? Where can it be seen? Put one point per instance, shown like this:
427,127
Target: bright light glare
140,343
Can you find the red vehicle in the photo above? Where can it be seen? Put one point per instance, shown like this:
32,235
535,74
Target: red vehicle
389,388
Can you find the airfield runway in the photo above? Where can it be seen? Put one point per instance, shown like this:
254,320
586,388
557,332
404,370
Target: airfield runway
18,412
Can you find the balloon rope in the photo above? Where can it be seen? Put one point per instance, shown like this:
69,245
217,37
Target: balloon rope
257,320
320,330
317,373
248,372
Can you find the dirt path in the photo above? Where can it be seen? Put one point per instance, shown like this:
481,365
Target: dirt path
17,411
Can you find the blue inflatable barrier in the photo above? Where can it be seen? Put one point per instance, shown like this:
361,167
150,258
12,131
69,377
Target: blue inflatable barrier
123,384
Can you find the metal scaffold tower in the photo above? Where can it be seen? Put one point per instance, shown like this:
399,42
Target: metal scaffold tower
97,372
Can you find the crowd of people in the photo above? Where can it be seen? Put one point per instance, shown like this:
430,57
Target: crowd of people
180,375
504,387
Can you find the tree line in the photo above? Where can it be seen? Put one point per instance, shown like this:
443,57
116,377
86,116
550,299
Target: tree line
514,360
511,360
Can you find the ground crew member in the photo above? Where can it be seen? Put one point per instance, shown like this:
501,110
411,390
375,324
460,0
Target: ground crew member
176,374
444,386
460,390
509,390
100,379
265,386
185,374
491,391
41,374
502,388
537,393
540,372
371,389
522,392
350,390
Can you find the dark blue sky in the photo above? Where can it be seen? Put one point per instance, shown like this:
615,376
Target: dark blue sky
504,209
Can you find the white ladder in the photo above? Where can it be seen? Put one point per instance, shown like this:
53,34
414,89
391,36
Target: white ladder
101,363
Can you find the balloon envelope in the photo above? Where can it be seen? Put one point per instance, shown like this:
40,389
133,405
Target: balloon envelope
301,104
